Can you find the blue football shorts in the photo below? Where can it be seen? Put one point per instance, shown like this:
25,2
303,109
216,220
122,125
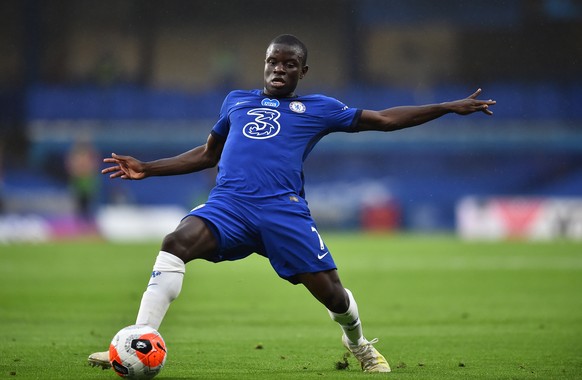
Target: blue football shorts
279,228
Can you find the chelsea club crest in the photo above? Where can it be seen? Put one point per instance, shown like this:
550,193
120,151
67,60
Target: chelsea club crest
297,107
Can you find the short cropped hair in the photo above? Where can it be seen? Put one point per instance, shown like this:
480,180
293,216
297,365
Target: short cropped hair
291,40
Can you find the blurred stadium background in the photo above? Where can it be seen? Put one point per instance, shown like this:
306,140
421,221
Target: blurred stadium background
147,78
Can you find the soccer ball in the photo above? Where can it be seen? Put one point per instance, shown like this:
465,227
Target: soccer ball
137,352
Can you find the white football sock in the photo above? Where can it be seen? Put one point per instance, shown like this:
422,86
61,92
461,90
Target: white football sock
164,286
350,321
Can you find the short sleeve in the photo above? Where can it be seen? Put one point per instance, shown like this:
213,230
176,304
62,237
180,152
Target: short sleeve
222,126
340,117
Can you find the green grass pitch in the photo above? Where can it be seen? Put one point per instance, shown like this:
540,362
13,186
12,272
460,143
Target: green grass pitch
442,309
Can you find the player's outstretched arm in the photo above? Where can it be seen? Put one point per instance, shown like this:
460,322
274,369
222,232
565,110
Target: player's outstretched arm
395,118
200,158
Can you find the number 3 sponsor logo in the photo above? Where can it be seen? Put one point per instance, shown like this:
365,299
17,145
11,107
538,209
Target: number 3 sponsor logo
265,124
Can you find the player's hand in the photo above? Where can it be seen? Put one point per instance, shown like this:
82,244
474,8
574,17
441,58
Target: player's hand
124,167
472,104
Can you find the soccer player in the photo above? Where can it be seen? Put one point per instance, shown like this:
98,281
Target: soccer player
258,204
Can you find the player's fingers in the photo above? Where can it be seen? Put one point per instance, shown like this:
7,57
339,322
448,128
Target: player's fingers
117,174
475,94
118,157
109,169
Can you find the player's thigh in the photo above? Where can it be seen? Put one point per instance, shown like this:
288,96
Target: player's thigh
192,239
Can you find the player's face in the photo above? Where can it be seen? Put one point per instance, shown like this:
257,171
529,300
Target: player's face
283,69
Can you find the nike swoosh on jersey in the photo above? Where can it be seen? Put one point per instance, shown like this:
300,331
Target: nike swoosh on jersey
244,101
322,256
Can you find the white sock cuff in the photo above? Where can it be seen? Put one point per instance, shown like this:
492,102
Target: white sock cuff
350,313
353,305
166,262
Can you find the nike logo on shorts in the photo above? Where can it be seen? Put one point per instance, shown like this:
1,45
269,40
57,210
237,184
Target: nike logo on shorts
322,256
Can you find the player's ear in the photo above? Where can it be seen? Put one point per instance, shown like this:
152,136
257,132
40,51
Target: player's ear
303,71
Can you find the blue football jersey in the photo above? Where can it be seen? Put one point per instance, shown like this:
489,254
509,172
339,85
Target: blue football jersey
268,139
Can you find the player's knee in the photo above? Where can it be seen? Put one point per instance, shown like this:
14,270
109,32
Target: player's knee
175,244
